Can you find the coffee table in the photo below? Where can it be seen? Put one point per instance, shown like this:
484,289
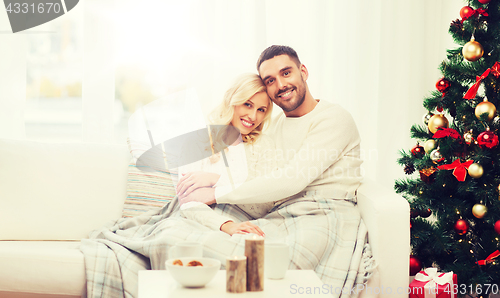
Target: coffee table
297,283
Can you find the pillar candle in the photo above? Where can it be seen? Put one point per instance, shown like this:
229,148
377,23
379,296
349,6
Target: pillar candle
254,251
236,274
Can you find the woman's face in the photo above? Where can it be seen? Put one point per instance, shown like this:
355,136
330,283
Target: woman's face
250,114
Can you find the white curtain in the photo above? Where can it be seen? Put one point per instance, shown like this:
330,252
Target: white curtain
376,58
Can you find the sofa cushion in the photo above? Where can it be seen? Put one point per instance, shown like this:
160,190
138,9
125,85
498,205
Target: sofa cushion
52,191
146,189
42,267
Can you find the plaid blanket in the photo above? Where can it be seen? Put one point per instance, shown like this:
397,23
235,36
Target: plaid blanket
326,235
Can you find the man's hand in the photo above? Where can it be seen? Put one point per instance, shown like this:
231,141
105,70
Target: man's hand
246,227
194,180
205,195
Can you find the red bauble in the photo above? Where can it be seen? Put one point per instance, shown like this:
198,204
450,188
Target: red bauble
425,213
414,213
497,226
466,12
461,227
484,1
487,139
415,265
443,85
418,151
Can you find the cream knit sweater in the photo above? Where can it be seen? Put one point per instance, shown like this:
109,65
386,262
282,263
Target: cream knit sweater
318,151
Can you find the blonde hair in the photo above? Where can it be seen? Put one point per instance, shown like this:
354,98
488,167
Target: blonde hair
244,88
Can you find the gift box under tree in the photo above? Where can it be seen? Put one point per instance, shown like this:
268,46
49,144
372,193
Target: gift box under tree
433,284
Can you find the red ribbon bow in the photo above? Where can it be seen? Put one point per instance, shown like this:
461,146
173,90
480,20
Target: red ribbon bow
476,12
482,11
495,69
447,132
471,93
459,169
489,259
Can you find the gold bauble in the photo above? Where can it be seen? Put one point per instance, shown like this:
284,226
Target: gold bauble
472,50
437,121
430,145
476,170
479,210
486,107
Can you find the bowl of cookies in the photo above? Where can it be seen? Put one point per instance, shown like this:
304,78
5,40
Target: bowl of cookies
193,272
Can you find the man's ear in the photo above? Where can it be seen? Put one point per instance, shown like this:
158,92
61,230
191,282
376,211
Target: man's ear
304,72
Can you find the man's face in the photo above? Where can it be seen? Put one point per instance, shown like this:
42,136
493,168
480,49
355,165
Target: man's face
285,81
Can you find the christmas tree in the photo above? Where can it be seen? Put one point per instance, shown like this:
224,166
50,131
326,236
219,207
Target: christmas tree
454,170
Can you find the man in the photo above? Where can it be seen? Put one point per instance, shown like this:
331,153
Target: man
317,142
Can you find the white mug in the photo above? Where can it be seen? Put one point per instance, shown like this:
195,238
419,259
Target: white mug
276,260
186,249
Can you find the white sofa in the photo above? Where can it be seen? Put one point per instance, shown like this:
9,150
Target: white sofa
52,195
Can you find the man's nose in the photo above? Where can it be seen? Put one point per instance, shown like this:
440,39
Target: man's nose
281,83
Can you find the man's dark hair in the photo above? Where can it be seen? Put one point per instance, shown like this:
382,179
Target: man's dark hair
274,51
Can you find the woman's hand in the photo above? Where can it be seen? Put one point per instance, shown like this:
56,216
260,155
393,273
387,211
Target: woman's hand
205,195
194,180
246,227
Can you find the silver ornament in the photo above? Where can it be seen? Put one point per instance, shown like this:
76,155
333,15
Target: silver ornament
496,121
426,118
468,138
436,156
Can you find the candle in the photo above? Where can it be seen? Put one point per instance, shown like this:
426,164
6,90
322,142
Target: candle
254,251
236,274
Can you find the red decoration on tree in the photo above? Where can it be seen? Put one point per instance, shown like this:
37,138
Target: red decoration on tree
461,227
484,1
443,85
497,226
471,93
446,132
466,12
459,169
415,265
495,70
414,213
418,151
490,259
487,139
481,11
425,213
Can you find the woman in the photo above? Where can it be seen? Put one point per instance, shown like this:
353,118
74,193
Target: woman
246,107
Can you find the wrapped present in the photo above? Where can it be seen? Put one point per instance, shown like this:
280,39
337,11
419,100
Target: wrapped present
427,175
433,284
